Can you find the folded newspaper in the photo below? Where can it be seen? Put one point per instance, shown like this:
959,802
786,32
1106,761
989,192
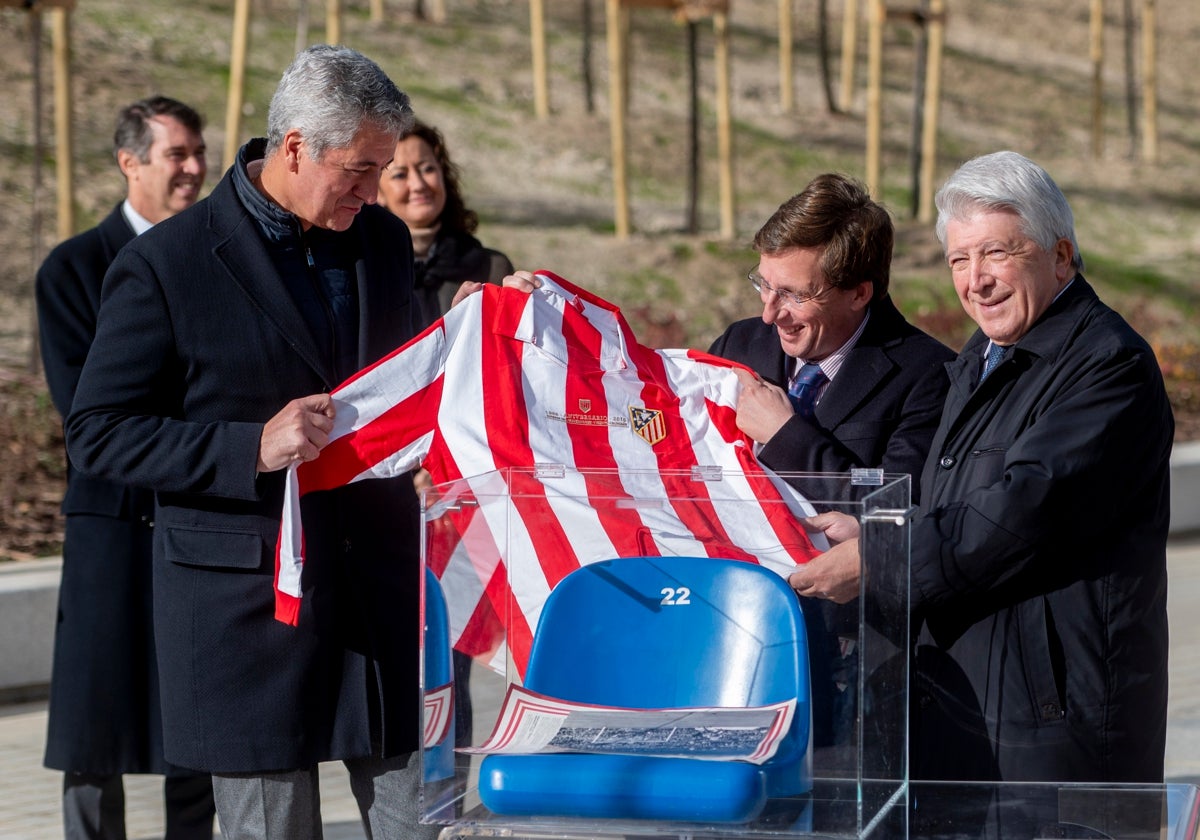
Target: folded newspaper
534,723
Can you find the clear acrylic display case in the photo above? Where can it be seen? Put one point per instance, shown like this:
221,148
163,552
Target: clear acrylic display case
482,536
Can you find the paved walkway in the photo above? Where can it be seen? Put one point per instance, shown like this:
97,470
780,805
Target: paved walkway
30,803
29,807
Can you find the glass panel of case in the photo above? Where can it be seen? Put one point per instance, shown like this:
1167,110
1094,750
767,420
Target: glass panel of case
496,545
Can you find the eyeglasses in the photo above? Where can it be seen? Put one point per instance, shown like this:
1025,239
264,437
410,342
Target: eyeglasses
786,298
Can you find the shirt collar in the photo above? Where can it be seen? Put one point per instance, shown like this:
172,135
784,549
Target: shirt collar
137,221
276,223
832,363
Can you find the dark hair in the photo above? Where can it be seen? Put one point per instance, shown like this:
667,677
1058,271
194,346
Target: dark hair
455,216
133,132
837,213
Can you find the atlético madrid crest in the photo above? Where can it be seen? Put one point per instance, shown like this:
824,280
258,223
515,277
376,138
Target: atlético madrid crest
648,424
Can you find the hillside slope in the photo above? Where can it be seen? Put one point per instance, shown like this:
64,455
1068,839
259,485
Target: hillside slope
1016,75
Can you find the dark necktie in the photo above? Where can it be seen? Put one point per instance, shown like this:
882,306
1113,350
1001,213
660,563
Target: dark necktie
804,389
992,360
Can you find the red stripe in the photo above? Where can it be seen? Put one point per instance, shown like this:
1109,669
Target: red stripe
360,450
520,634
287,607
507,425
591,446
434,327
674,452
484,630
783,522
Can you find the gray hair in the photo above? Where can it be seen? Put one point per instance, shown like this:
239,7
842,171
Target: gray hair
133,133
1009,181
328,93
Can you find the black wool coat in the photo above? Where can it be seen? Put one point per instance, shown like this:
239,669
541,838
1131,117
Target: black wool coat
456,258
880,410
104,707
198,344
1039,559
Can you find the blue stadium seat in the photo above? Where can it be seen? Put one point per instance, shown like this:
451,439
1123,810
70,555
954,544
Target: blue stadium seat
439,671
662,632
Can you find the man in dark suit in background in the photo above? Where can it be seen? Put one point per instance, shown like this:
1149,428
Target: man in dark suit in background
221,333
104,716
843,380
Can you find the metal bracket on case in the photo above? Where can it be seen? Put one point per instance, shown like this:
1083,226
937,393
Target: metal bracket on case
545,471
866,477
893,516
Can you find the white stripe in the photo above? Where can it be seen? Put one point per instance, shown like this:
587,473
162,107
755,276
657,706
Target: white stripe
498,532
291,564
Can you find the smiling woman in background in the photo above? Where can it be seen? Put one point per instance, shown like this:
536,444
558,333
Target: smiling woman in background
421,186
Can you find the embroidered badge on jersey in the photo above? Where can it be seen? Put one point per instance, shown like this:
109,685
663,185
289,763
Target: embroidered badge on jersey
648,424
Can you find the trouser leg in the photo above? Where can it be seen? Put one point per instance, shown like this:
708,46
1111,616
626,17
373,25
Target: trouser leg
268,806
189,807
463,712
388,794
93,807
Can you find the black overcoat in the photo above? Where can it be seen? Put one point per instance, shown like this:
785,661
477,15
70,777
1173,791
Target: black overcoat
198,345
1039,559
104,708
880,410
455,258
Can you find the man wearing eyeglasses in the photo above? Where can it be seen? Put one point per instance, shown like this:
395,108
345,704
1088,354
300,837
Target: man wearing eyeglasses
841,380
823,272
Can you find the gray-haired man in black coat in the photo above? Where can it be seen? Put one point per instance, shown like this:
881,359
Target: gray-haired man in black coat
221,333
823,277
1039,579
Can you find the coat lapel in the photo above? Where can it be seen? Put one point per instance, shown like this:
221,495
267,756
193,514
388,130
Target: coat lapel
866,365
115,233
864,368
769,360
384,283
244,255
371,295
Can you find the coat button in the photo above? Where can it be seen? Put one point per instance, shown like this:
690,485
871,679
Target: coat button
1051,711
347,545
947,461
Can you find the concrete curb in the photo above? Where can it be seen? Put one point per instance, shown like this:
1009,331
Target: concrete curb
29,591
1185,488
28,613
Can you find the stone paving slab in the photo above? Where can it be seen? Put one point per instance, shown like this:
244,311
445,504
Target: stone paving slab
29,806
1183,703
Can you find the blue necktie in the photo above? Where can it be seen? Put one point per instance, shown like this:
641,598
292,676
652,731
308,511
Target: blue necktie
804,389
992,360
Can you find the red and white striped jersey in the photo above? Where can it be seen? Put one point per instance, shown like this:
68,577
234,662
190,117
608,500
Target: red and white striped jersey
553,382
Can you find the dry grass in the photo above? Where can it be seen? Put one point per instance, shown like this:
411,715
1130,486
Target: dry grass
1016,76
32,480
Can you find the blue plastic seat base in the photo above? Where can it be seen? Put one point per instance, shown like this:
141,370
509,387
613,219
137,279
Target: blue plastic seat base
622,786
663,633
438,761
